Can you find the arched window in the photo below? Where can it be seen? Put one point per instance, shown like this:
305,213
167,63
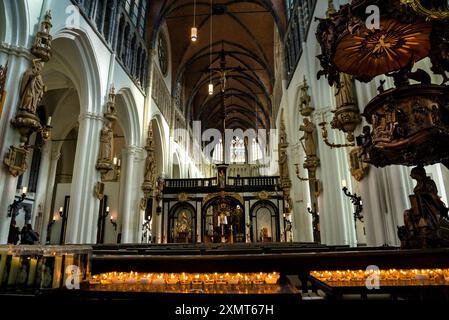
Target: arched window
142,18
125,51
119,45
144,75
99,14
238,152
132,57
139,64
217,154
256,151
108,20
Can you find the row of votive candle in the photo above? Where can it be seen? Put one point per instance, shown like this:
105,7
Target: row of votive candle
43,267
384,275
132,278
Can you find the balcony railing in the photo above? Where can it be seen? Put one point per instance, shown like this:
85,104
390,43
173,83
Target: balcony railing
235,184
189,183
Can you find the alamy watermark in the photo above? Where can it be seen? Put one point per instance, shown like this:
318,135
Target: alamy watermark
372,281
373,20
72,278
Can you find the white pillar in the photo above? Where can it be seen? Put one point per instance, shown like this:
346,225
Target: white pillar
50,186
84,206
41,189
9,136
129,211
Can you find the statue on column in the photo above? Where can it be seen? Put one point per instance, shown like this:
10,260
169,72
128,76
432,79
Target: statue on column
283,164
32,88
283,159
106,138
309,138
150,165
426,222
150,168
3,73
305,100
344,95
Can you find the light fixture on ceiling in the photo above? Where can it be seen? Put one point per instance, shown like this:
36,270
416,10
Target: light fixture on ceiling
211,85
194,30
211,88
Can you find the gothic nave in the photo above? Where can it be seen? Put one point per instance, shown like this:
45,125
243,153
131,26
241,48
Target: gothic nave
284,154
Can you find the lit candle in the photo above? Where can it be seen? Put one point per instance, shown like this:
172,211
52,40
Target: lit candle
172,279
48,121
119,162
131,279
343,183
145,279
233,279
24,190
107,209
94,280
159,280
272,278
115,161
118,280
61,209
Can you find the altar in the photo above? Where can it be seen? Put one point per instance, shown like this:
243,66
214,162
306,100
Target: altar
222,209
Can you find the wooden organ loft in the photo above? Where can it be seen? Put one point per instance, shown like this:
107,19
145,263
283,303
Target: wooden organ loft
223,209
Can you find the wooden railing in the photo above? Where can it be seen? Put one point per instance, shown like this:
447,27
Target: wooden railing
190,183
254,181
211,185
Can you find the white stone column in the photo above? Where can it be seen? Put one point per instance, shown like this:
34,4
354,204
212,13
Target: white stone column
41,188
84,206
129,210
9,136
50,187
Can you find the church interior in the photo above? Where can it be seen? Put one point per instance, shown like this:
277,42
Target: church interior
283,153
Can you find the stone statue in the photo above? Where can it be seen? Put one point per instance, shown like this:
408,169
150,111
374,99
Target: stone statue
221,179
344,95
150,167
283,164
32,88
110,105
426,223
106,138
3,72
310,145
283,132
305,107
283,157
150,138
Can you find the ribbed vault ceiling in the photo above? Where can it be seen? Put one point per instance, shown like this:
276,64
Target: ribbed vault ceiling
242,40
